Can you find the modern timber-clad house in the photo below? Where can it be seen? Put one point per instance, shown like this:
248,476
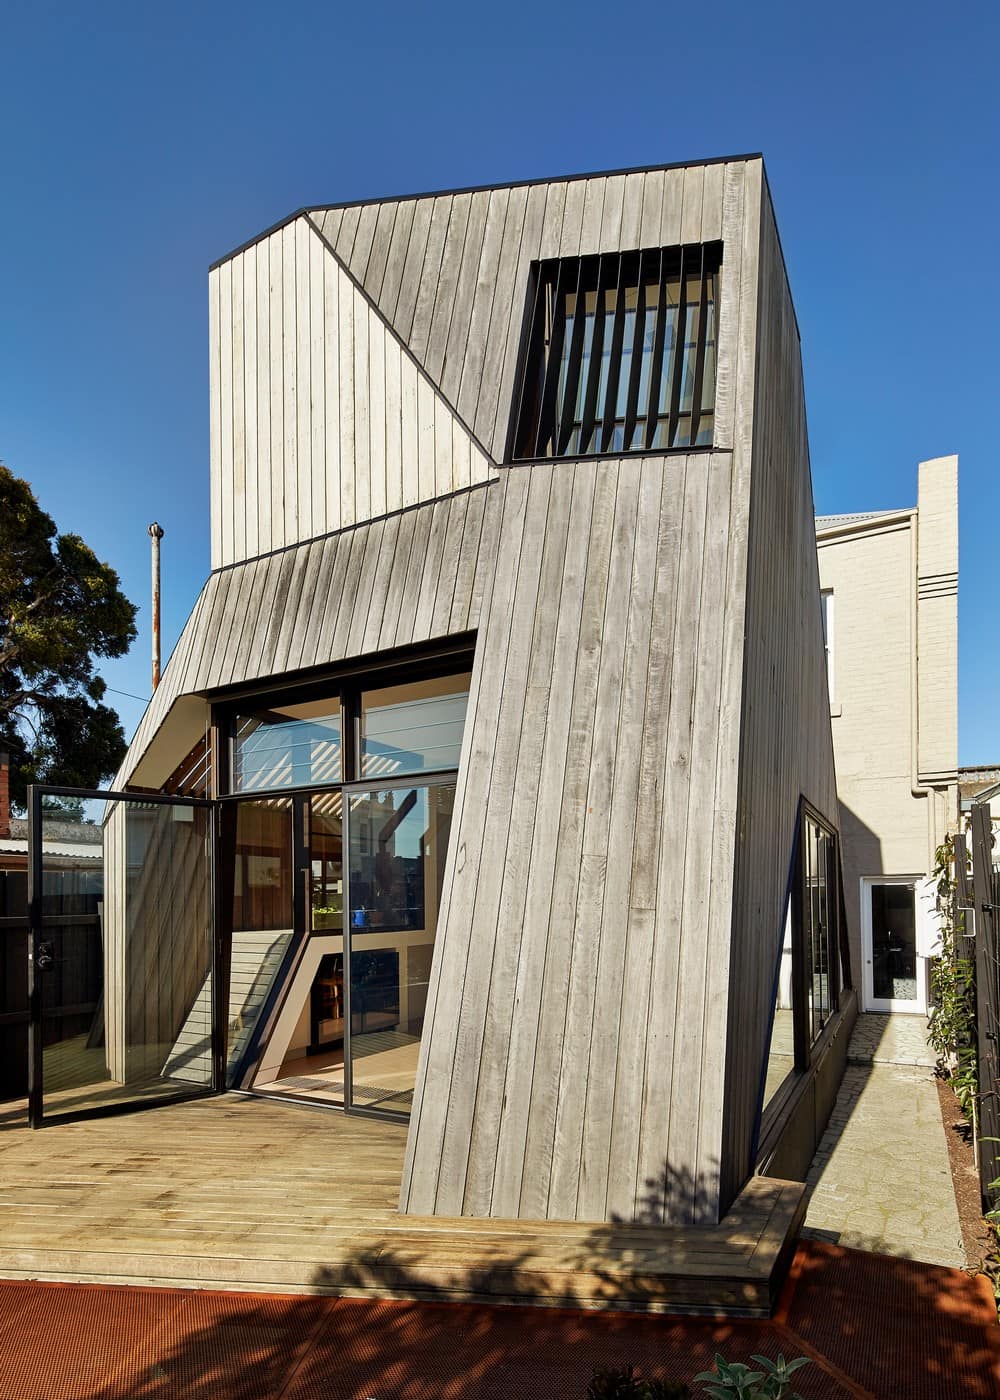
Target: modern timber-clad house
498,741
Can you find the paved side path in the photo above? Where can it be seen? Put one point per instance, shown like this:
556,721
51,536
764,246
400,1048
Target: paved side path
880,1178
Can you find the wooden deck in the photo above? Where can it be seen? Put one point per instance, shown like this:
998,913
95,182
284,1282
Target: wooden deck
240,1193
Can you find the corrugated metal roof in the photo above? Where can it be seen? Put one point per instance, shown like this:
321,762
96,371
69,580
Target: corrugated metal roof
80,850
830,522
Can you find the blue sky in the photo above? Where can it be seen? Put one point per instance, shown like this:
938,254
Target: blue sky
138,144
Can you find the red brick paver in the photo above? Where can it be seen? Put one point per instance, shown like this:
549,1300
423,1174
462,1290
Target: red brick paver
874,1326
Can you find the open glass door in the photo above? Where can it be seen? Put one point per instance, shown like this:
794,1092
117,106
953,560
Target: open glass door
122,959
892,970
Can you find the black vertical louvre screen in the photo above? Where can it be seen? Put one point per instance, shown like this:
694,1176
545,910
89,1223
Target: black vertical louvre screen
620,354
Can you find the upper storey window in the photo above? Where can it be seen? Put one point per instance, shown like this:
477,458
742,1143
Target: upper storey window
620,354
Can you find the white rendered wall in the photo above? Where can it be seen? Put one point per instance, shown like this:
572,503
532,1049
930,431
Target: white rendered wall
895,710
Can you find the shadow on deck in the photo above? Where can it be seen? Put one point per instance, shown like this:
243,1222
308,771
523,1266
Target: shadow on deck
239,1193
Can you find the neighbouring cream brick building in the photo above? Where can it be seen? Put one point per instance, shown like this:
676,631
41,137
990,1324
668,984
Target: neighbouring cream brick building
889,581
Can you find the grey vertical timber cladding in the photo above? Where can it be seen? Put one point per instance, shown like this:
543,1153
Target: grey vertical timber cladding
786,748
113,939
648,699
583,859
316,329
318,411
414,576
451,277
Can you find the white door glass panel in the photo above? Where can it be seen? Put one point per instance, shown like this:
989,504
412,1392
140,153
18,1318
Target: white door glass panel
893,969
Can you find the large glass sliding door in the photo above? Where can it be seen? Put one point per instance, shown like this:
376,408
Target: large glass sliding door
348,1027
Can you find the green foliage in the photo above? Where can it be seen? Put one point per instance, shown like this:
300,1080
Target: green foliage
60,608
735,1381
965,1081
624,1384
65,809
952,1031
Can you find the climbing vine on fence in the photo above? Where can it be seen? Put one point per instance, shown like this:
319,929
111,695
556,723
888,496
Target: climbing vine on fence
952,1031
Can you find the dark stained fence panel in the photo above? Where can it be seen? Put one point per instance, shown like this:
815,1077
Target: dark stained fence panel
986,880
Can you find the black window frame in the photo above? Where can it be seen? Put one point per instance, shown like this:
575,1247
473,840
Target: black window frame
806,1038
548,424
343,684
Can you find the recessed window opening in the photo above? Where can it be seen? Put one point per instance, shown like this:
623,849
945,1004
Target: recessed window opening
808,976
819,919
621,354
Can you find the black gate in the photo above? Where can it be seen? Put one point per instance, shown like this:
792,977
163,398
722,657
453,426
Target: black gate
986,894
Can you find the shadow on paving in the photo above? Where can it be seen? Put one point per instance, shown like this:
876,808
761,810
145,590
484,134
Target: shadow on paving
875,1326
897,1327
857,1073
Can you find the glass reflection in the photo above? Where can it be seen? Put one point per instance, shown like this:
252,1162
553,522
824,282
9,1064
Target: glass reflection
126,963
398,843
262,914
894,943
413,728
288,746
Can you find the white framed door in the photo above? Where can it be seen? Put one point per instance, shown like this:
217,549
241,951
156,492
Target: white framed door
893,971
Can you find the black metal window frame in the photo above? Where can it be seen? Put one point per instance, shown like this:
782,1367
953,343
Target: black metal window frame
818,942
598,376
347,687
804,937
805,1038
36,930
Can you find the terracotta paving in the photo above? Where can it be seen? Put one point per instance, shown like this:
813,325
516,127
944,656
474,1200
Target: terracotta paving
874,1327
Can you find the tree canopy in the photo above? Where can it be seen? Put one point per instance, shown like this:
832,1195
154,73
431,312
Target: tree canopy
60,609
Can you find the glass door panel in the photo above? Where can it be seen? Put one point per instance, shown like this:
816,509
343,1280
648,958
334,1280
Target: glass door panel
892,952
305,1049
13,984
262,915
123,957
398,841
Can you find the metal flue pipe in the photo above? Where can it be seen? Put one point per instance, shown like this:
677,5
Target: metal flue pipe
156,535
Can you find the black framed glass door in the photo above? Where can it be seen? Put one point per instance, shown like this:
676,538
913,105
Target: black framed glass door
340,1015
280,943
122,963
363,770
13,985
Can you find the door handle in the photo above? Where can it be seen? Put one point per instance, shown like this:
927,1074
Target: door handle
45,958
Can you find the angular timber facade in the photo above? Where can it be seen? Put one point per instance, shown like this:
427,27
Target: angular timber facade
534,456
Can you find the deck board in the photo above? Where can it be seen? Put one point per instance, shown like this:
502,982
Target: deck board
235,1192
